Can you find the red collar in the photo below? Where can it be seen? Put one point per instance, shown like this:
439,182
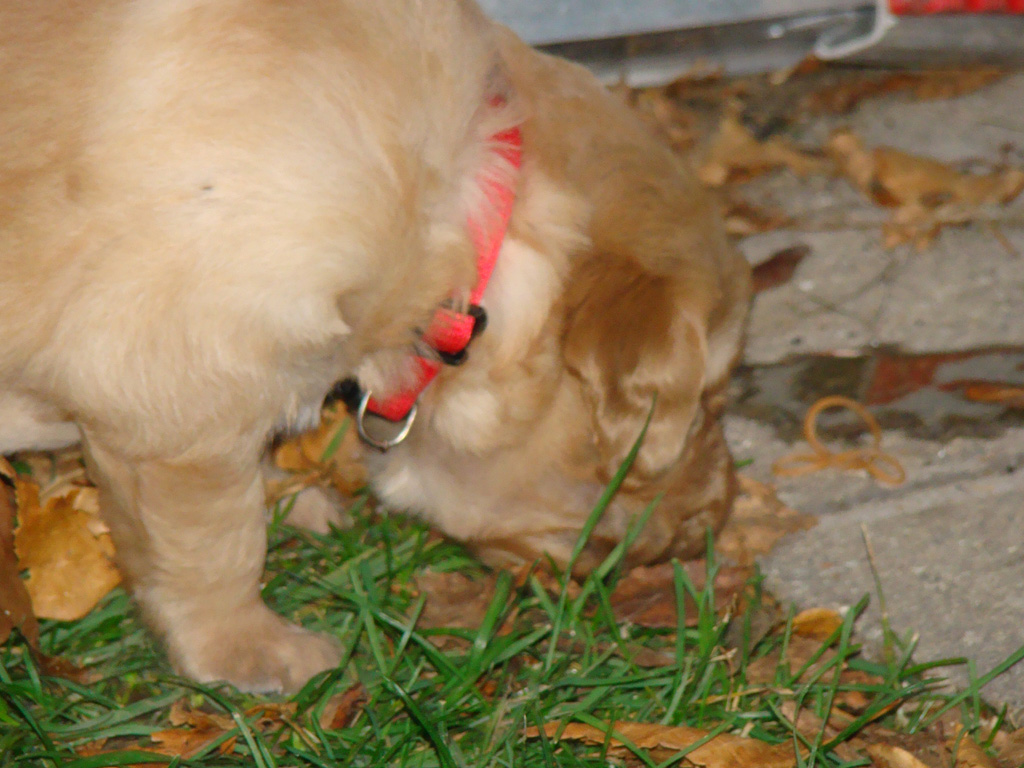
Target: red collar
450,332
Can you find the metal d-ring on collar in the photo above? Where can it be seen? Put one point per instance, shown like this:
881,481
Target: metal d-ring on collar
382,445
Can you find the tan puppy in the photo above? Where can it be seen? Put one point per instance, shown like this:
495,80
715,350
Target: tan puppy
212,210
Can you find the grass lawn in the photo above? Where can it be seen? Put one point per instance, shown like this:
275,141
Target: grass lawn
542,652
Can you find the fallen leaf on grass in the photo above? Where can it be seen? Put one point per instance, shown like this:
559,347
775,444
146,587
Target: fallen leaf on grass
331,454
342,708
15,602
925,193
453,599
817,623
194,726
182,715
188,742
57,473
195,730
810,726
798,654
757,523
67,552
723,751
886,756
1010,747
967,752
779,268
55,666
457,601
736,154
646,596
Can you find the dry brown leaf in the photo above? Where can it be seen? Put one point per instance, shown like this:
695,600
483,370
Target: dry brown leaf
1010,747
723,751
55,472
925,193
757,523
453,599
306,456
967,752
67,474
949,84
809,725
646,595
456,601
779,268
183,715
743,219
55,666
887,756
736,154
15,602
67,553
187,742
907,178
195,730
272,714
545,578
925,86
799,652
853,160
798,655
7,473
1009,395
342,708
842,98
817,623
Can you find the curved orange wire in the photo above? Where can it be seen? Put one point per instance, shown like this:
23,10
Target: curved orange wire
882,466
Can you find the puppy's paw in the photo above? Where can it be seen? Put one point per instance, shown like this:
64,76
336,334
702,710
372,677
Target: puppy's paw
317,510
256,651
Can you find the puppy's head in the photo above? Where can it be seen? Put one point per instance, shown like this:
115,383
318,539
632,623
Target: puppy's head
649,358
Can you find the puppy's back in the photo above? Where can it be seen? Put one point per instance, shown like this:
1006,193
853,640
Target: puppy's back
188,188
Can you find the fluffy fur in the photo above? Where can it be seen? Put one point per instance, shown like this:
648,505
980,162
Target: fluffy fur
211,210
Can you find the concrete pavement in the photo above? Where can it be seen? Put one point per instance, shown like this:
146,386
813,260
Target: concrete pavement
949,543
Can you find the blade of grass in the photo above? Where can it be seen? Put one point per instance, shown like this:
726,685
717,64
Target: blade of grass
588,528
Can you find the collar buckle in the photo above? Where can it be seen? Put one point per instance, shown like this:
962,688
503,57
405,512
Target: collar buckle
382,444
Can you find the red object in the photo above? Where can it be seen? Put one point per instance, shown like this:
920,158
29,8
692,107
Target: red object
924,7
450,331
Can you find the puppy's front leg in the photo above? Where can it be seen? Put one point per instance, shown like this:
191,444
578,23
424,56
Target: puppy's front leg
192,539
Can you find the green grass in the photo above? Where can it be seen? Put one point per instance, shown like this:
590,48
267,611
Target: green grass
565,659
455,697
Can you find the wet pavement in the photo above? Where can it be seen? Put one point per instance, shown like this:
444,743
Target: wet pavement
936,396
932,341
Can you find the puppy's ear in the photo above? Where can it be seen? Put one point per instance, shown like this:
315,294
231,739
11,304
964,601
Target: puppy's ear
634,338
